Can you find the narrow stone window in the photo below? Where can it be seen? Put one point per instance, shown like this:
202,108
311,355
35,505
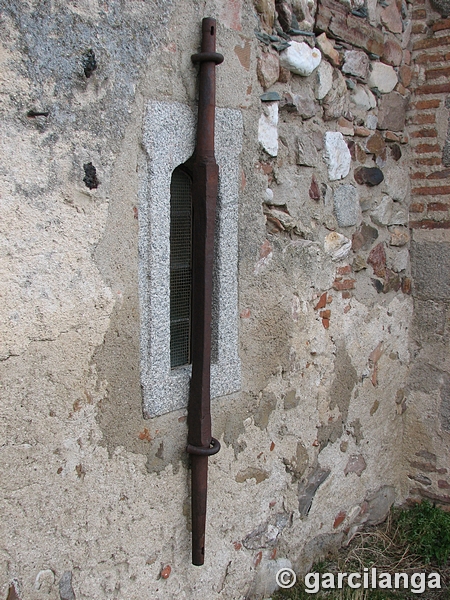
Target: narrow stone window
180,267
165,250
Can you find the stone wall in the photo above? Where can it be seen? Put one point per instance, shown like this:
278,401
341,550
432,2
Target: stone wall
317,441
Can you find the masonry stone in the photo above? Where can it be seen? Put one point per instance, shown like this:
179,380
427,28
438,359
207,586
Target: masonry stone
382,77
363,98
300,58
324,79
336,155
346,205
392,112
268,128
356,63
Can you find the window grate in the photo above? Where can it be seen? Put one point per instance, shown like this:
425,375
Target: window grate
180,267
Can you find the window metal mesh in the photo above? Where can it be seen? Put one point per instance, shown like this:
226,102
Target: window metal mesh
180,267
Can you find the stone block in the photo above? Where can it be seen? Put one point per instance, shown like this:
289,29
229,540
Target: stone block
337,245
307,153
328,49
391,18
336,102
346,205
300,58
382,77
393,52
324,79
392,112
363,98
356,63
335,19
65,586
268,69
308,489
336,155
268,128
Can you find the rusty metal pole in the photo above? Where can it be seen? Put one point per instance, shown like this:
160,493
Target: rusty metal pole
205,175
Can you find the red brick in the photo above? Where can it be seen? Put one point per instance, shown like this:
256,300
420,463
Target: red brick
406,285
339,518
346,295
325,314
435,73
419,28
422,119
426,58
439,190
441,499
424,133
427,148
322,302
429,161
417,207
441,25
438,88
429,224
431,42
346,284
405,75
418,14
418,175
344,270
423,104
438,207
439,174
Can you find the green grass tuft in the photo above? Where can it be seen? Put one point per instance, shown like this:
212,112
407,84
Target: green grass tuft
412,540
426,530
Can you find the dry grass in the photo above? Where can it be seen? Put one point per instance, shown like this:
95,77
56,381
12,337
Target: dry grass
390,548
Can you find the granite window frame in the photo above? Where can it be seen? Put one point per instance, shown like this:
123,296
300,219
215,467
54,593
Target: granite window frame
169,141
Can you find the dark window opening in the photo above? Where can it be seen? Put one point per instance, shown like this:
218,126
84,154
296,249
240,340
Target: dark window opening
180,267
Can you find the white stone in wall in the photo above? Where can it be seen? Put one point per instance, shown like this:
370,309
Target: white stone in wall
300,58
336,155
363,98
381,214
324,79
397,183
337,245
399,215
383,77
269,196
268,128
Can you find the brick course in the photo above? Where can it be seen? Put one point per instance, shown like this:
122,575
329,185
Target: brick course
430,86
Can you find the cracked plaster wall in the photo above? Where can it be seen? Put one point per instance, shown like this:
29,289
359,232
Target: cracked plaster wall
311,445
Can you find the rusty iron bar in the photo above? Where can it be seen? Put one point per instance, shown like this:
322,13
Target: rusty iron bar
205,175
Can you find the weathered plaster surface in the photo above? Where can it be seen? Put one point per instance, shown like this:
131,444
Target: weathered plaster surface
92,488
